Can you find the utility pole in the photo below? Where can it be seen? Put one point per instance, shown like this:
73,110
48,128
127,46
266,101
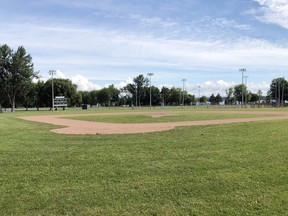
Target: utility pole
163,89
242,70
199,93
52,72
183,80
279,93
136,95
283,89
245,77
150,75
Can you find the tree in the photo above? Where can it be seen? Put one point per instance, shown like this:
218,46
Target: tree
259,95
16,73
130,91
218,99
212,99
229,98
203,99
29,99
85,95
253,97
164,94
190,99
113,95
137,88
279,90
62,87
124,99
174,96
238,90
155,96
39,94
140,83
103,96
93,97
215,99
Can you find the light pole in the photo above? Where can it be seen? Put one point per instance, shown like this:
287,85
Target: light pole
136,95
52,72
279,93
242,70
163,92
199,94
150,75
283,85
183,80
245,77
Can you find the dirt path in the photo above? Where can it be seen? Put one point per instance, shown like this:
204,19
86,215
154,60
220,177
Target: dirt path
85,127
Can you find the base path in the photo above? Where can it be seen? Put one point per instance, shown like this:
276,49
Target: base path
71,126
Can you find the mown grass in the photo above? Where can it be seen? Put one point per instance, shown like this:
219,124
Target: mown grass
237,169
170,117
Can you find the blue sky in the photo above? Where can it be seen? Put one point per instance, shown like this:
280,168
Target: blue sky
100,42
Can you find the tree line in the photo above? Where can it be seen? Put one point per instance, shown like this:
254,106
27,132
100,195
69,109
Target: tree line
17,89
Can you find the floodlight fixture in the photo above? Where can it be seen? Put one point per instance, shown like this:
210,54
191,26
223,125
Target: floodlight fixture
242,70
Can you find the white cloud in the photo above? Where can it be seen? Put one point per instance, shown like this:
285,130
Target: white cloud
254,87
123,83
83,84
153,21
60,74
91,48
103,54
274,11
223,22
208,88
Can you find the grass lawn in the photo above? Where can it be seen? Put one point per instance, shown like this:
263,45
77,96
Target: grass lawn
232,169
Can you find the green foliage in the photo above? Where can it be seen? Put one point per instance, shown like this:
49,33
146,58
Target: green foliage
105,96
215,99
231,169
212,99
278,90
174,96
113,95
155,96
93,97
85,95
137,89
189,99
16,73
62,87
218,99
229,99
203,99
164,94
254,97
239,90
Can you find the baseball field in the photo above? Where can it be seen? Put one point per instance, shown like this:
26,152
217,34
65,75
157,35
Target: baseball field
144,162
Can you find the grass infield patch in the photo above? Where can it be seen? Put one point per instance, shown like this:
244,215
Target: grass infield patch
166,117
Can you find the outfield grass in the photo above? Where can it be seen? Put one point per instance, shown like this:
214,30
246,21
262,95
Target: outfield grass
237,169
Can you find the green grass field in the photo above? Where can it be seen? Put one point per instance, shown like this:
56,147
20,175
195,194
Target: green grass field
232,169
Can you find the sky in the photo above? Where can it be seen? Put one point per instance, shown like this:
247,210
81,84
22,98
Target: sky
96,43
